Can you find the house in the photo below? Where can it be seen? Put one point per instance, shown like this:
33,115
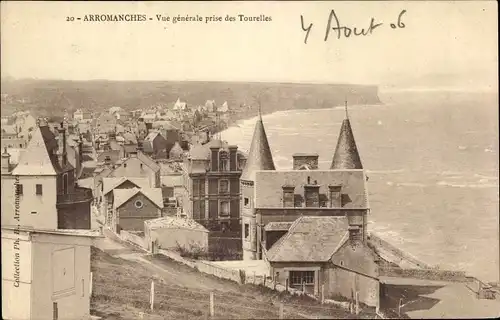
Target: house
46,273
284,196
224,108
180,105
138,165
42,186
155,145
170,203
172,232
103,189
324,252
9,131
171,175
212,174
176,153
131,207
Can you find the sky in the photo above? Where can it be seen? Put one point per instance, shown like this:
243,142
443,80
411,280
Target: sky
458,38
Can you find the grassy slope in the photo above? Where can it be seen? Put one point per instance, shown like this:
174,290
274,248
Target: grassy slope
121,291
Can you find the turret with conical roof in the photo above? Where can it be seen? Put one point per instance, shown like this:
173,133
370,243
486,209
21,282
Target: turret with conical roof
260,156
346,153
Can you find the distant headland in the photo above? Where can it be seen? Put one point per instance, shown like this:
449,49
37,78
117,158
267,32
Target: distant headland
53,97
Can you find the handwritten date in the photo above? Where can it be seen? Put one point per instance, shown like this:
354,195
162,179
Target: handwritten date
334,25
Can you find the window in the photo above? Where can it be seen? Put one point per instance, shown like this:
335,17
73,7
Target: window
246,202
223,161
19,189
33,212
54,311
39,190
224,208
20,145
223,186
247,230
301,277
139,204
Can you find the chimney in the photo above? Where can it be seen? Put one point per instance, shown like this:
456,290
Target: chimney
63,156
232,157
354,235
303,161
5,161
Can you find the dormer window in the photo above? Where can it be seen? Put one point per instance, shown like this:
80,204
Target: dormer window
288,196
335,196
223,161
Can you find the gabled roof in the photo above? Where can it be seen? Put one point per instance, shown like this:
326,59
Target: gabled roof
346,153
260,156
310,239
124,195
35,160
110,183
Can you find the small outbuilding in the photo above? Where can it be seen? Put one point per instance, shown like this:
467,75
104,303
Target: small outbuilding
172,232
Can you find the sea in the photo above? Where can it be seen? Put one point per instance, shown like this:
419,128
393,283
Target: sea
432,162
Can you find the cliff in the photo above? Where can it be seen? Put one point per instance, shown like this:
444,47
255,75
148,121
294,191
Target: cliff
45,97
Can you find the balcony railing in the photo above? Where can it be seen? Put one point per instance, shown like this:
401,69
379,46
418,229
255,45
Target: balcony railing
80,195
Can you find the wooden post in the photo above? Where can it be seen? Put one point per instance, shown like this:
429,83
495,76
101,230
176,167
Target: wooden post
212,308
322,294
254,277
281,310
399,307
357,302
264,280
303,287
152,298
286,285
90,284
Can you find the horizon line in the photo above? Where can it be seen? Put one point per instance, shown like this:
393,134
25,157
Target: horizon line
9,78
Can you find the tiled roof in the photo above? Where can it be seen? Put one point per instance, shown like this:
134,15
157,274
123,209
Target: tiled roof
174,223
346,152
123,195
35,160
278,226
310,239
259,156
110,183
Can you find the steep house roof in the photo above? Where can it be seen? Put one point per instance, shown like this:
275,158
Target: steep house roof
310,239
346,153
278,226
260,156
110,183
36,160
129,137
151,136
176,151
123,195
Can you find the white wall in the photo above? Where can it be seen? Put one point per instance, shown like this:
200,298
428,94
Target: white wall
16,276
44,205
51,255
